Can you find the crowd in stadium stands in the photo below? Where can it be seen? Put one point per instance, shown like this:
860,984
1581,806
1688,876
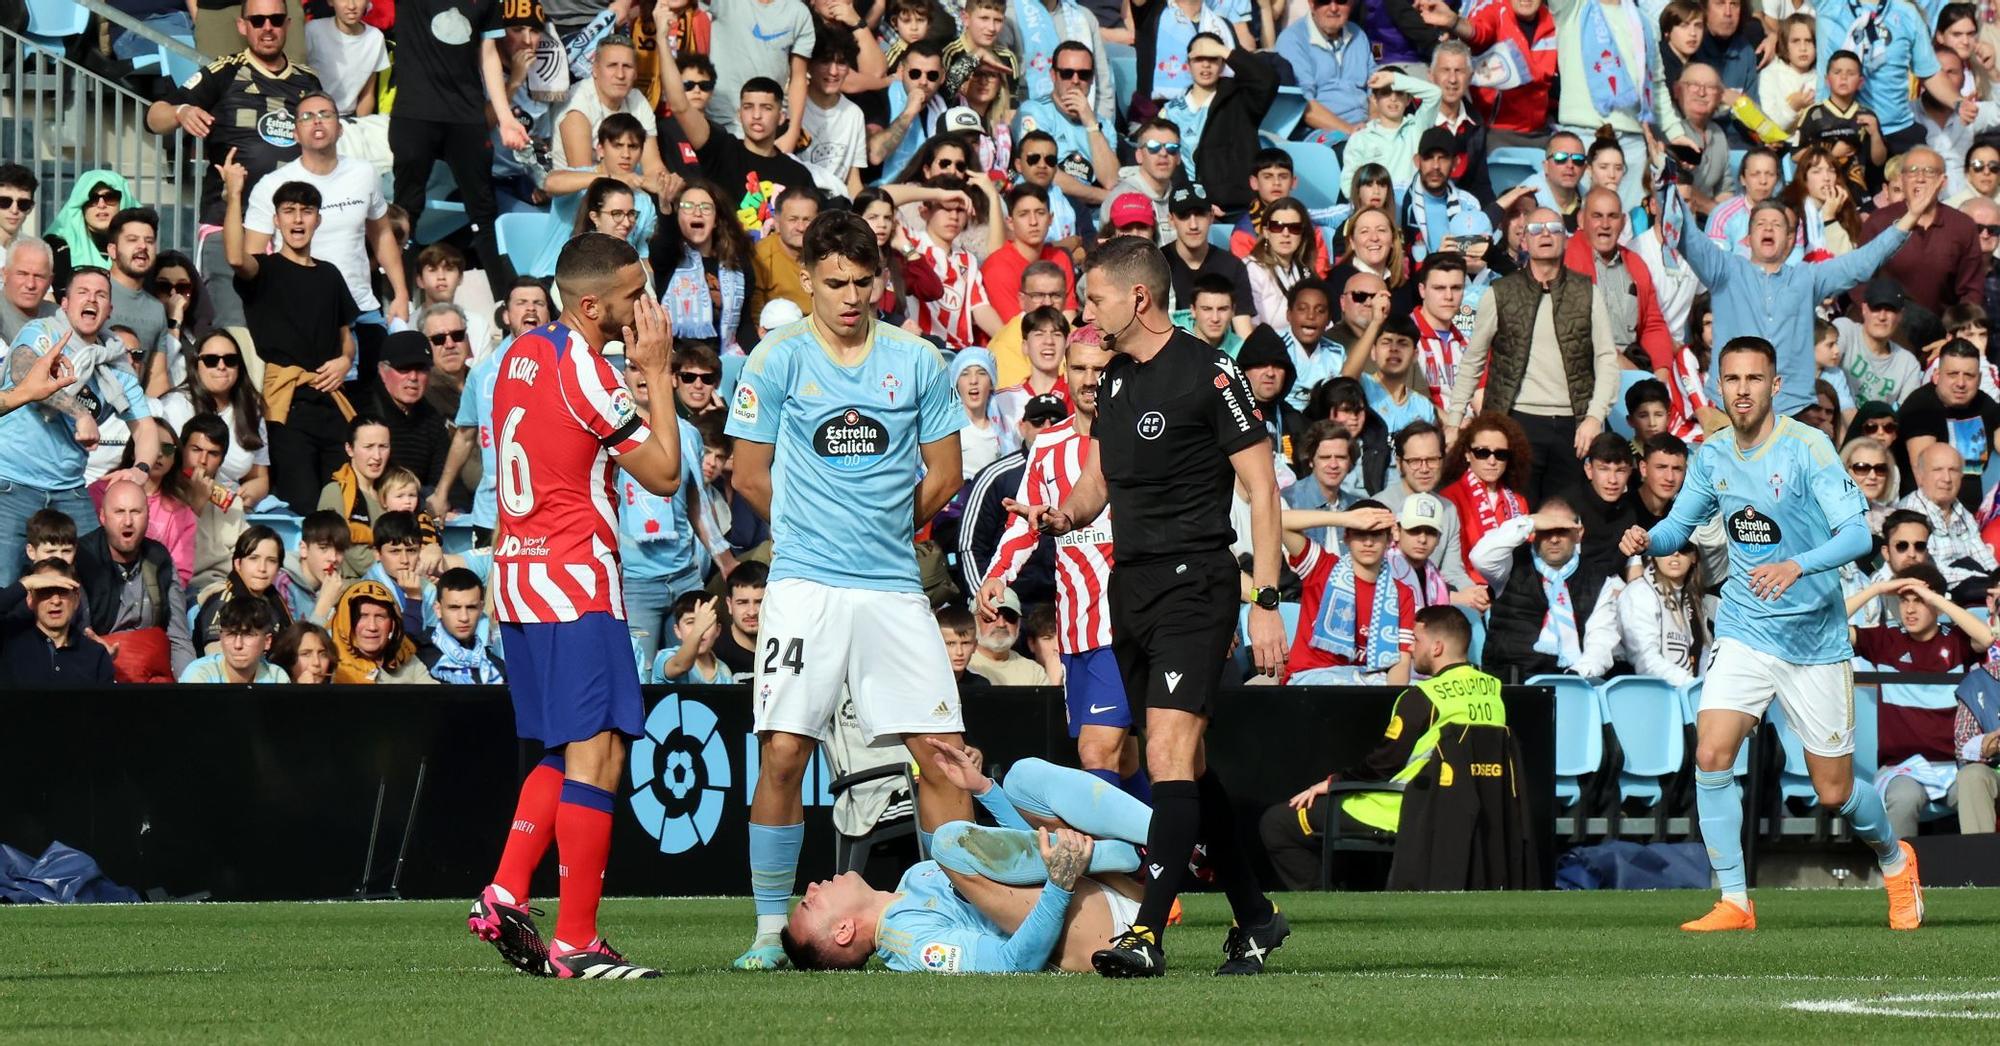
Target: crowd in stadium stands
1474,279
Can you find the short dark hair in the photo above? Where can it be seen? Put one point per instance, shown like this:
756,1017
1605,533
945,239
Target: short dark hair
621,125
698,352
1067,46
53,565
1411,431
145,216
440,256
1927,572
398,528
81,271
589,259
933,47
955,618
1843,53
1025,191
1648,390
1040,620
1046,317
1309,285
751,574
1213,283
1753,343
1904,517
1609,448
1442,261
15,176
793,194
1959,347
695,63
1131,261
685,604
252,536
304,194
1271,156
1022,145
1321,431
1448,623
841,234
246,615
326,527
761,85
49,526
1664,443
835,47
208,426
1337,394
804,956
1044,267
460,579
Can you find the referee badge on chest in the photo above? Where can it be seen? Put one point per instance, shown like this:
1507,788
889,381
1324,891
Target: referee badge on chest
1152,424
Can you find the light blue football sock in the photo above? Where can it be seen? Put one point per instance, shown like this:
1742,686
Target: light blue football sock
1078,799
1719,799
774,866
1864,813
1013,856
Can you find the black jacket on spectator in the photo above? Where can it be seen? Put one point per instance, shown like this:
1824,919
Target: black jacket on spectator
29,659
99,573
1229,140
419,437
1603,526
1287,426
985,520
1518,610
1468,831
1372,453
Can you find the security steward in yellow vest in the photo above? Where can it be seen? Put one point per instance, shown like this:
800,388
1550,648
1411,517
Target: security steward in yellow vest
1295,831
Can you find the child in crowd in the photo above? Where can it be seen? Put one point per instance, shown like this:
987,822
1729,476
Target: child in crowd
304,651
911,19
246,626
51,534
691,658
1648,407
401,491
1851,131
462,648
349,55
980,43
1786,87
960,634
440,275
399,544
315,566
1964,320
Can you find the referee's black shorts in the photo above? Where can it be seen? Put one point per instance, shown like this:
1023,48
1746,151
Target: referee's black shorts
1172,619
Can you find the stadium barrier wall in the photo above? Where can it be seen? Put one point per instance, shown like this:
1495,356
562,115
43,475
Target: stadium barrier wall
328,792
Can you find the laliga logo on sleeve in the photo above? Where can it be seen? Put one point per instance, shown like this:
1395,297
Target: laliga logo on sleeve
746,404
940,958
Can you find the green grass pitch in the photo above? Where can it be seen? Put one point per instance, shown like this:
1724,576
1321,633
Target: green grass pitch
1370,968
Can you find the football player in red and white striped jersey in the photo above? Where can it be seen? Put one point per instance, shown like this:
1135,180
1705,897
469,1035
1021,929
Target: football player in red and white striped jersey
1099,716
562,416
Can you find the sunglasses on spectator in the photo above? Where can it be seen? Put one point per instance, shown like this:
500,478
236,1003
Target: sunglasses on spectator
696,207
1887,425
1989,230
185,288
697,85
1156,147
1360,297
168,448
261,21
1086,75
696,377
1982,165
217,360
1039,159
948,165
1926,171
443,338
110,196
1567,157
931,75
1544,229
1911,546
1294,228
1502,455
24,204
1868,468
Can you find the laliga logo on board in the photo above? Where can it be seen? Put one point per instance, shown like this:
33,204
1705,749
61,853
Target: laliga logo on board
680,775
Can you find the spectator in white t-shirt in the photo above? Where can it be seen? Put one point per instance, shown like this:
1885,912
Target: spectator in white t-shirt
835,145
353,220
349,55
609,90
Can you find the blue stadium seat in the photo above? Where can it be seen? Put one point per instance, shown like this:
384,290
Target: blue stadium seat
1579,732
1691,703
1285,112
1794,781
1318,172
1511,165
521,236
1476,650
56,19
1218,235
1124,74
458,536
1287,612
1646,717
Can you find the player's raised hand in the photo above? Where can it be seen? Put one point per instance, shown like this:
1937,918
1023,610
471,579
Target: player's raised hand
1772,579
1066,853
962,765
1635,541
649,341
1045,518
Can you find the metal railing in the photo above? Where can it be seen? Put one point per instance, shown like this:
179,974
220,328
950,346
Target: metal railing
61,120
133,25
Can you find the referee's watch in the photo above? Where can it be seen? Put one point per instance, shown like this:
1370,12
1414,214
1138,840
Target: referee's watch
1265,597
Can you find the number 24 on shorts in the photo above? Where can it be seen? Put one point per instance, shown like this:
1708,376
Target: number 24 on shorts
793,658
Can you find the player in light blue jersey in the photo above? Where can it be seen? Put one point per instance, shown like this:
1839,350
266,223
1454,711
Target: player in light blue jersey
847,441
1792,517
1010,899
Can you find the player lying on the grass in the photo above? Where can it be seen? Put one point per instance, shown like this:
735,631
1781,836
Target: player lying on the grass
991,900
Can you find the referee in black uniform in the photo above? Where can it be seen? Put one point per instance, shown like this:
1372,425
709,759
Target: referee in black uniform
1176,428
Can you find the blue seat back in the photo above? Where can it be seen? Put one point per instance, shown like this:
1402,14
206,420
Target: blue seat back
1509,166
1318,171
1794,780
1867,732
1476,652
1286,110
286,524
1646,717
1579,731
1619,422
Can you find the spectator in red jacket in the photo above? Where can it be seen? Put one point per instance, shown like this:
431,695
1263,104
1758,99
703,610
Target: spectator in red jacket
1517,115
1623,277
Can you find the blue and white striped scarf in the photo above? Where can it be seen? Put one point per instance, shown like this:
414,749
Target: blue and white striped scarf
1334,631
1558,637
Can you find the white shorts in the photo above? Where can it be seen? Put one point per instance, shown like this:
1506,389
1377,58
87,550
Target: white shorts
813,640
1123,909
1818,699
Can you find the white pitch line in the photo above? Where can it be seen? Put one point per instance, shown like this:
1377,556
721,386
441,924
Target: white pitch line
1885,1006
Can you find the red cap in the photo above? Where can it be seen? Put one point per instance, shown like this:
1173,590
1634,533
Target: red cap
1132,209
